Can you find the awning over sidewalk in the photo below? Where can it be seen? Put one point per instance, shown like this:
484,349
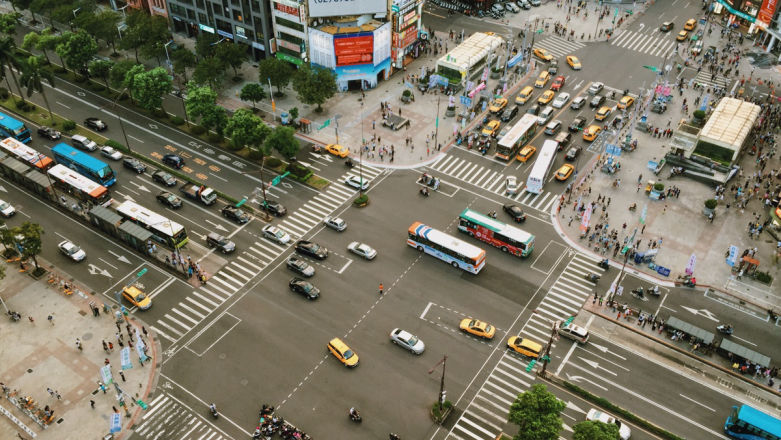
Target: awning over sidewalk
677,324
745,353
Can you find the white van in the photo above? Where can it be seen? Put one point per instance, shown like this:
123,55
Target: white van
574,332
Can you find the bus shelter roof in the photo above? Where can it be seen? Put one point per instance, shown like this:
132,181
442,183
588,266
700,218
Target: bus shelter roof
745,353
677,324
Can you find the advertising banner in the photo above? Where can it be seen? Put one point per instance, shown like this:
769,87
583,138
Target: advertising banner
287,10
288,45
765,13
333,8
353,50
690,265
586,218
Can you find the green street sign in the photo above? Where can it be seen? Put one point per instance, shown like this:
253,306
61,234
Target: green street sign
530,367
141,403
539,31
279,178
141,272
325,124
652,68
241,202
568,321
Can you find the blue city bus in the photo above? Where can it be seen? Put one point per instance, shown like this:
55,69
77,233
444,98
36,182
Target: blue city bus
84,164
14,128
745,422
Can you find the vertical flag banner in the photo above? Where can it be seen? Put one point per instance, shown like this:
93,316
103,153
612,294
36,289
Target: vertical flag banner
124,359
140,350
643,214
586,218
732,258
116,423
690,264
105,374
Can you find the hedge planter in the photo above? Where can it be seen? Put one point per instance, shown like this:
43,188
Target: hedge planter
438,416
362,201
450,112
710,207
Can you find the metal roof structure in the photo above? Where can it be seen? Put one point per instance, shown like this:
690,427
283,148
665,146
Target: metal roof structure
474,48
730,123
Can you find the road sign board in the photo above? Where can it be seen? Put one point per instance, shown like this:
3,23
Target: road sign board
141,272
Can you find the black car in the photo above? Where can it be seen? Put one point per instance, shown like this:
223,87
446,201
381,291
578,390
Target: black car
299,266
95,124
304,288
273,207
311,249
572,153
515,212
134,164
534,110
509,113
169,199
597,101
49,133
235,214
173,160
164,178
577,124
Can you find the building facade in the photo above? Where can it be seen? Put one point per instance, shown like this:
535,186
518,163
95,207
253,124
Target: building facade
407,35
154,7
240,21
290,31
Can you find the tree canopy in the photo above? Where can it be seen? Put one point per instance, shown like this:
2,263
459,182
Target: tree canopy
150,87
77,49
182,59
246,129
201,103
209,71
252,92
232,55
278,71
314,85
283,140
537,414
589,430
100,69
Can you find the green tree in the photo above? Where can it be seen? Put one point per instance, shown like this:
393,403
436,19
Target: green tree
44,41
588,430
279,72
44,7
21,4
130,79
252,92
314,85
182,59
246,129
31,239
8,23
7,239
77,49
201,103
283,139
9,61
100,69
150,87
145,32
209,71
119,71
537,414
102,26
33,76
206,45
232,55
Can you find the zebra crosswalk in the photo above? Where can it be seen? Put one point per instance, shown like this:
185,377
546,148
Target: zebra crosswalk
486,413
169,418
252,258
709,80
654,44
558,47
493,181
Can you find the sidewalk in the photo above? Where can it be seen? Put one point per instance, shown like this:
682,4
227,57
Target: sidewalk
40,355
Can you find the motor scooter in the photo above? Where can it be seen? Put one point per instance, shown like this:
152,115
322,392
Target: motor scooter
594,278
725,329
604,264
355,416
213,410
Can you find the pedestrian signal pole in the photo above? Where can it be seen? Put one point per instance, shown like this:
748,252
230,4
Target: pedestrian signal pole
546,356
442,393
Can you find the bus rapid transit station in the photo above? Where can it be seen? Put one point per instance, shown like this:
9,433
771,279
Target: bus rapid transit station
467,60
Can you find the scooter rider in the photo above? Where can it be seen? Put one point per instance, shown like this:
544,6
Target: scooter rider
353,412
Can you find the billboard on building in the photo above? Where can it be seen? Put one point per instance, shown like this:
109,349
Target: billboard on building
333,8
765,14
382,43
354,49
321,48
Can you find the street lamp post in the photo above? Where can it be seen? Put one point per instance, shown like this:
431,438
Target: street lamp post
167,58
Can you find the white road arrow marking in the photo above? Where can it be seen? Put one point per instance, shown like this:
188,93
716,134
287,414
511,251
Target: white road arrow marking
216,225
95,270
2,188
642,25
601,348
574,407
121,258
140,187
581,378
702,312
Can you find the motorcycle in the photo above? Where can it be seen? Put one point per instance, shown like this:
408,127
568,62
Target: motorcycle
604,264
654,291
213,410
639,293
349,163
594,278
725,329
355,416
492,214
14,316
633,207
424,191
690,283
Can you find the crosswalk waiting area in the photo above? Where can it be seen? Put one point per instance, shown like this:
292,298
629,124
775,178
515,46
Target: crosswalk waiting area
251,258
485,416
559,47
492,181
168,418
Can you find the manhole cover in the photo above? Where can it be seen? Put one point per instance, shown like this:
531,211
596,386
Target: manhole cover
222,356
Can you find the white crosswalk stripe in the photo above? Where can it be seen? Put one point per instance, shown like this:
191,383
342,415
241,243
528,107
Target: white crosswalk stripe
485,415
253,258
654,44
491,181
707,79
167,418
558,46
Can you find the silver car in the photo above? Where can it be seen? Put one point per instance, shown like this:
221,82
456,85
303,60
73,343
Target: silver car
560,100
362,249
407,340
276,234
111,153
335,223
72,251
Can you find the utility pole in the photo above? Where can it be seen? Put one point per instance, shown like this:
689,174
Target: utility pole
546,357
442,392
360,157
436,126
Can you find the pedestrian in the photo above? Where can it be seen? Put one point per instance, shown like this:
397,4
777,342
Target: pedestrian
110,346
92,404
120,336
122,375
51,319
143,330
105,346
106,361
57,393
102,387
50,391
140,361
78,344
381,288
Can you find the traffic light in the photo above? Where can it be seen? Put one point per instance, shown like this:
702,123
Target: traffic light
530,367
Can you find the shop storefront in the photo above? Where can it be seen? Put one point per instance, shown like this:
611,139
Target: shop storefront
406,22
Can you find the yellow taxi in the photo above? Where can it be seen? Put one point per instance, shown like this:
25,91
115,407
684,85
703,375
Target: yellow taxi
524,96
137,297
603,113
491,128
478,328
626,102
564,172
682,35
543,54
542,80
337,150
591,133
546,97
341,351
497,105
526,153
524,346
690,24
573,62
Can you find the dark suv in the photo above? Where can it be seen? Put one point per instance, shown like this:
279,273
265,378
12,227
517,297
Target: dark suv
223,244
173,160
133,164
273,207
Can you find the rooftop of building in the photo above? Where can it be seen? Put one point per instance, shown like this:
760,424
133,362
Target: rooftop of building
348,25
730,123
477,46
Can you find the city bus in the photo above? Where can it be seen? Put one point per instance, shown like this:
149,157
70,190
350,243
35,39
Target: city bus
79,186
165,231
501,235
11,127
745,422
447,248
541,167
84,164
521,134
25,154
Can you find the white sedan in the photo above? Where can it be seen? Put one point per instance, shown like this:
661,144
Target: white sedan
362,249
111,153
511,185
6,209
407,340
276,234
560,100
335,223
72,251
357,183
596,415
